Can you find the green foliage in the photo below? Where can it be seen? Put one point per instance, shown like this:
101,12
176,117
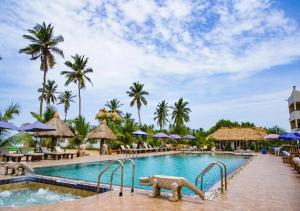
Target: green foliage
46,116
43,46
180,114
81,128
161,114
10,113
137,94
49,93
227,123
19,138
78,74
66,98
275,130
114,105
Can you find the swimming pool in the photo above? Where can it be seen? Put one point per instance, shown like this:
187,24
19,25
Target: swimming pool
183,165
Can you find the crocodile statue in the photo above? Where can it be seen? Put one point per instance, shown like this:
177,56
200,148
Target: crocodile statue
172,183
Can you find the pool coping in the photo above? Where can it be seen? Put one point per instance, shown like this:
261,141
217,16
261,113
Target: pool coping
210,194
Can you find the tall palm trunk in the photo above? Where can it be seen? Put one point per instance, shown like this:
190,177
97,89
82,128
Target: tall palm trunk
66,111
139,117
79,98
43,93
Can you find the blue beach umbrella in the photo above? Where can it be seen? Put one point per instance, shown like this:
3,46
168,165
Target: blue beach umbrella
289,136
160,135
36,127
174,136
189,137
140,133
7,125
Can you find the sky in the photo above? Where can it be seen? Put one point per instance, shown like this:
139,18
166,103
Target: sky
231,59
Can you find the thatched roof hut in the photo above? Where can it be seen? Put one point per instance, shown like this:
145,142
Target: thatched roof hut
102,132
237,137
239,134
61,129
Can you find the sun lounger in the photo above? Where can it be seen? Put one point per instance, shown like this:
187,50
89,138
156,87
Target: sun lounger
34,156
147,148
154,149
13,156
54,155
134,148
65,154
125,151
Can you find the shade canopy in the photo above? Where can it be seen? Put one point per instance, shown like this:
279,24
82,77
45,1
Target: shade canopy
36,127
7,125
271,137
140,133
160,135
61,129
174,136
102,132
189,137
289,136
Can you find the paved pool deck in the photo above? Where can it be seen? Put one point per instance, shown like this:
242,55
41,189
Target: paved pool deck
266,183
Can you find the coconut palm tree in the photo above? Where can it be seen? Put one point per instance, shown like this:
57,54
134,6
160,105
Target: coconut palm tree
81,128
66,98
78,74
114,105
46,115
49,92
161,114
180,113
43,46
138,94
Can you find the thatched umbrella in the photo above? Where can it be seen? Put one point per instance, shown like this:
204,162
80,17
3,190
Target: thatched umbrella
61,130
102,132
102,114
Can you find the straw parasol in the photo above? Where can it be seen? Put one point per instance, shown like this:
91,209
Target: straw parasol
102,113
102,132
61,130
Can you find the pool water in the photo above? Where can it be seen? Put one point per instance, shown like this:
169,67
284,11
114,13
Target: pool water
183,165
33,196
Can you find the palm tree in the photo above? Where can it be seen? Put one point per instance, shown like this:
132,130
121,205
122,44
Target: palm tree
81,128
137,93
66,98
161,114
49,92
275,130
12,111
180,113
46,115
78,74
43,45
114,105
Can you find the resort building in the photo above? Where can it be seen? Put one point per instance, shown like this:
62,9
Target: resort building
294,109
237,138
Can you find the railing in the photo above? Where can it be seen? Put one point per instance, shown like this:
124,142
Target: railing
223,175
120,165
122,175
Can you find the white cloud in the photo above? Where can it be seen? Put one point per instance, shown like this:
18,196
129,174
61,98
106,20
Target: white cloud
151,42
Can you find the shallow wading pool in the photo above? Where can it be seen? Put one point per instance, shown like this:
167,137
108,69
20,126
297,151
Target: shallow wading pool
32,193
183,165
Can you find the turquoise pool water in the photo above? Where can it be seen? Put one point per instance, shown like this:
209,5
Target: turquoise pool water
184,165
33,196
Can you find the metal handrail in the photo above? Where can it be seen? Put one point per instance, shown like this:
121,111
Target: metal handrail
223,174
107,167
132,173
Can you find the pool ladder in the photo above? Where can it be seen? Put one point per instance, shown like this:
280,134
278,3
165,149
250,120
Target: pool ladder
120,163
223,175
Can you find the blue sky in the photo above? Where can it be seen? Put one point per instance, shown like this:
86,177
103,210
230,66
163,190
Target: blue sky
229,59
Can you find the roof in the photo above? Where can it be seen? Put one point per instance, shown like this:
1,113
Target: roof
102,132
238,134
61,129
